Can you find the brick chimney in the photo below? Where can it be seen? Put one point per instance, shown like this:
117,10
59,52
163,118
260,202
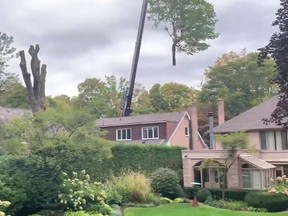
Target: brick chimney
194,139
221,112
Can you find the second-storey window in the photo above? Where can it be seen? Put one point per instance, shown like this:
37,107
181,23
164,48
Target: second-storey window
123,134
274,140
150,133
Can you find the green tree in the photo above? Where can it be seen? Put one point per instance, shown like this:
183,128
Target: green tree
172,97
277,49
13,94
189,23
6,52
105,98
235,144
239,81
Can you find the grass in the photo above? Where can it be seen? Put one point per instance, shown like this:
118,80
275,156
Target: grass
188,210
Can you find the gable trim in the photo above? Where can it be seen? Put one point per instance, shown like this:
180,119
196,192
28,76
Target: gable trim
177,127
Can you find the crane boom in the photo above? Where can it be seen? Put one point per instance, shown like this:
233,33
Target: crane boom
127,110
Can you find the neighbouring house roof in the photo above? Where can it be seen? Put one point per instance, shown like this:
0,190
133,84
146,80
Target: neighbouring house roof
141,119
252,119
7,114
255,161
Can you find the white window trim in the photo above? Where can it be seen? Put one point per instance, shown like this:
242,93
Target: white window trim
120,129
153,133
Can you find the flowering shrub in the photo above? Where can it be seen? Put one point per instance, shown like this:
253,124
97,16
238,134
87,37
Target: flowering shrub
78,193
279,185
3,206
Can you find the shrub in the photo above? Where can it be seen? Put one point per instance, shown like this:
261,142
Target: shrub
203,194
164,181
280,185
234,205
165,200
154,199
178,200
27,184
79,193
177,192
81,213
271,201
132,187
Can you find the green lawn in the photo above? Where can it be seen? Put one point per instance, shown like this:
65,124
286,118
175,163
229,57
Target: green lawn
188,210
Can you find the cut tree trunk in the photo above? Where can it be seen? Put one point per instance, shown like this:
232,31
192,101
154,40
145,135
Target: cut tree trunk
174,54
36,92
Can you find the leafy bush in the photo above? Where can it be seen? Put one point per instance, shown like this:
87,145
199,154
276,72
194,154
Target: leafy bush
273,202
27,184
154,199
280,185
165,200
81,213
177,192
79,193
234,194
232,205
203,194
178,200
164,181
132,187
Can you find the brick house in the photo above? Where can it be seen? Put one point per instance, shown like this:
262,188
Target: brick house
250,171
171,129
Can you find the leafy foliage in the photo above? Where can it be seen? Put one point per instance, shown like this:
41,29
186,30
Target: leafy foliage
188,22
277,49
230,78
280,185
131,186
164,181
28,185
6,51
273,202
203,194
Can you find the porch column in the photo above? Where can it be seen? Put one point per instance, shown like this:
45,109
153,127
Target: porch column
201,175
188,173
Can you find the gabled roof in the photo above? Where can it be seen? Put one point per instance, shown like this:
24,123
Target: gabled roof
252,119
7,114
141,119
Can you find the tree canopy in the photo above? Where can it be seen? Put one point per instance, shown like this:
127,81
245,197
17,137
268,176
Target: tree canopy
277,49
239,81
189,23
6,51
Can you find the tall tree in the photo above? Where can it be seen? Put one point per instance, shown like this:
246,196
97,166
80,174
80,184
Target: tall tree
172,97
6,52
189,23
239,81
277,49
104,98
36,92
13,94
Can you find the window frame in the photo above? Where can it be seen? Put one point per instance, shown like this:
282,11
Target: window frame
186,130
122,129
153,136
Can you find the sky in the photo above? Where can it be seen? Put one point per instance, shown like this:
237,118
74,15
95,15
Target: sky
82,39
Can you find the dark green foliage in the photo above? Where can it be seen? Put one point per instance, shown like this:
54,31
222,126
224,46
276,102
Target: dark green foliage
203,194
164,181
233,194
271,201
144,158
277,49
27,185
178,192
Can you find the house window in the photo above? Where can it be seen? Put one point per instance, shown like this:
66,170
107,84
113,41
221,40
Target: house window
273,140
150,133
123,134
186,131
251,178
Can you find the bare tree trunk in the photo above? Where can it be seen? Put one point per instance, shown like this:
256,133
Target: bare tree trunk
36,92
174,54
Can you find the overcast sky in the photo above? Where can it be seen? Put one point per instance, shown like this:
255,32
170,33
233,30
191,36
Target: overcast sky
81,39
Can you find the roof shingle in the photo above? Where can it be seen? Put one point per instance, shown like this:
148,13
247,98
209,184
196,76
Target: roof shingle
252,119
141,119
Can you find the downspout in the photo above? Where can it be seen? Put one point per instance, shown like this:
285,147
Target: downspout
211,132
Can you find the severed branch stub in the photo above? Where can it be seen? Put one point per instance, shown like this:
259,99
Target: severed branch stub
36,92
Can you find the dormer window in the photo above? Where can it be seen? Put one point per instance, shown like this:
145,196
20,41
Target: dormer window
150,132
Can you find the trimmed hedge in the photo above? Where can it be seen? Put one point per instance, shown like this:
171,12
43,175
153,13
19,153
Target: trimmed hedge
234,194
271,201
203,194
130,157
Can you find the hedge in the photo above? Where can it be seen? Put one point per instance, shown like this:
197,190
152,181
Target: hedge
130,157
273,202
234,194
